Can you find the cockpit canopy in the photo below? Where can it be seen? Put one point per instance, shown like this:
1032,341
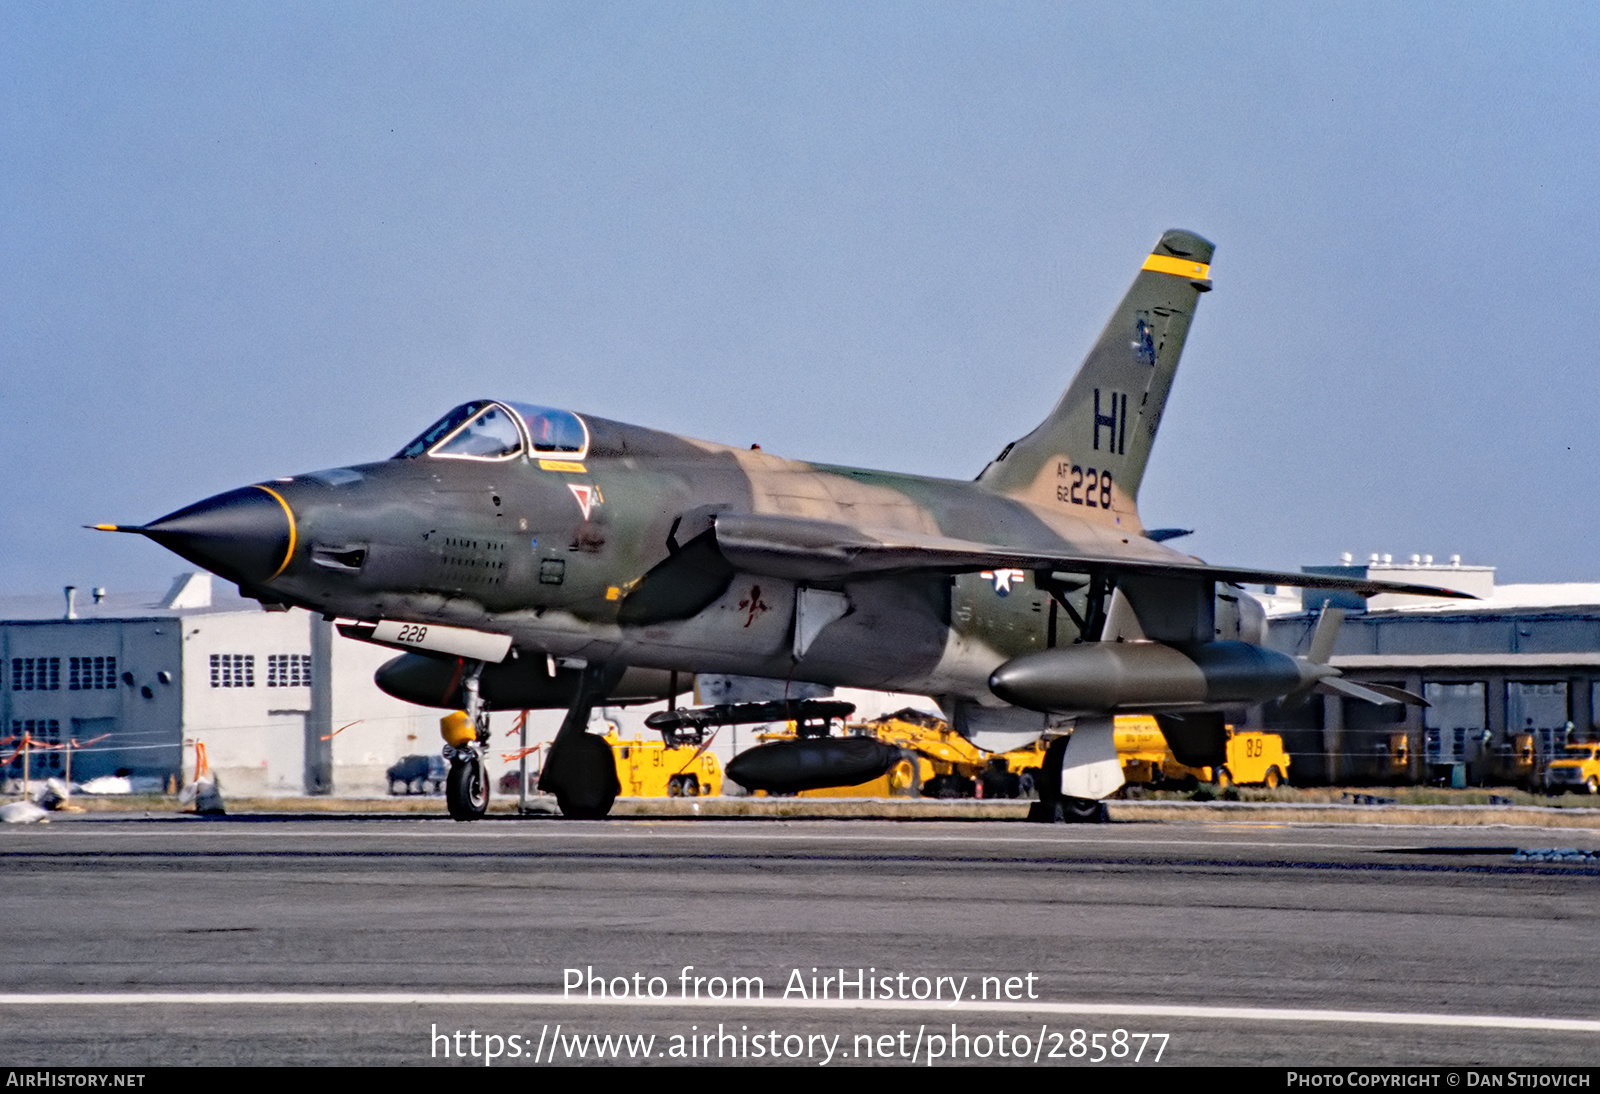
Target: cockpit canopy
491,430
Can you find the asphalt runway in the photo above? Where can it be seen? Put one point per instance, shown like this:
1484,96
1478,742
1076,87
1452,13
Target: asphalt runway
302,940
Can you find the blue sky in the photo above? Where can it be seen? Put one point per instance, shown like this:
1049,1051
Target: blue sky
239,241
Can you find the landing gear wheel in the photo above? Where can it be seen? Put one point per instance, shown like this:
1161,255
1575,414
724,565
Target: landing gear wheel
1083,811
1066,810
1047,781
584,810
466,790
582,774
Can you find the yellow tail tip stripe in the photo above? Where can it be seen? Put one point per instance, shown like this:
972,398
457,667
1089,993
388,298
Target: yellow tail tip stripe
1181,267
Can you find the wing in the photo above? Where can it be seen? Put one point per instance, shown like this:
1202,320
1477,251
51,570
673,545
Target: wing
812,550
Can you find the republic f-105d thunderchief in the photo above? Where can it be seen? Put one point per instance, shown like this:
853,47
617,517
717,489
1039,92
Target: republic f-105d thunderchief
530,557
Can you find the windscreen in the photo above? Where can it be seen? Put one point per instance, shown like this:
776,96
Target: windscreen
440,430
492,435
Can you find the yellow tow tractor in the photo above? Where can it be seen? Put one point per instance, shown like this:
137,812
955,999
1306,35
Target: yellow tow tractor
655,769
1254,758
645,768
905,779
935,762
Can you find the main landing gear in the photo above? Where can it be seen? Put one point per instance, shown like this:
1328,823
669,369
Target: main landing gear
1077,773
579,769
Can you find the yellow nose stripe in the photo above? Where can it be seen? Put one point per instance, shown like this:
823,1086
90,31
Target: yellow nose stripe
1182,267
289,554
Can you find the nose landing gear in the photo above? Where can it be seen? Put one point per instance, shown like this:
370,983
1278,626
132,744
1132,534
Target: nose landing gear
466,790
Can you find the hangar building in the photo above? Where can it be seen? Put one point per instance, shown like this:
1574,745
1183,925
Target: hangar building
1510,678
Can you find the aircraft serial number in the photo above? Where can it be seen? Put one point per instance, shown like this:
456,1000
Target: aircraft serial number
1088,486
412,633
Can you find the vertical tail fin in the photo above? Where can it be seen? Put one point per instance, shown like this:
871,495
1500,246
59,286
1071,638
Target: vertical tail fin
1089,455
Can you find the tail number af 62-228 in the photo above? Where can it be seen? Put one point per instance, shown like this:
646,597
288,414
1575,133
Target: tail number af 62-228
1083,486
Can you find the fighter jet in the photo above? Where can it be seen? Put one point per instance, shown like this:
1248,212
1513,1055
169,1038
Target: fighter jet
525,556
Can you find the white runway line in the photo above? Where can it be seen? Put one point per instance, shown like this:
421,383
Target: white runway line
723,836
528,999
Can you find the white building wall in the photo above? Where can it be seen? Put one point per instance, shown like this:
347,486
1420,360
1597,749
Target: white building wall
254,735
372,730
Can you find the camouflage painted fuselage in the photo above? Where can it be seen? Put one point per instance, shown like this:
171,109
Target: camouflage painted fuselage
508,548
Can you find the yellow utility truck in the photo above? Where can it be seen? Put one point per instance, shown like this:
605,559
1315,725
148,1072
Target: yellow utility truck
1254,758
1576,770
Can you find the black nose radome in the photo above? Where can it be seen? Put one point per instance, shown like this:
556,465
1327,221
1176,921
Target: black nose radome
246,535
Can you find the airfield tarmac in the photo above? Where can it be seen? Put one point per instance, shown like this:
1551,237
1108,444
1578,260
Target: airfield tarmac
358,940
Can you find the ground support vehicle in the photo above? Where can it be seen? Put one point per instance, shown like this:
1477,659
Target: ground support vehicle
1576,770
1254,758
935,762
655,769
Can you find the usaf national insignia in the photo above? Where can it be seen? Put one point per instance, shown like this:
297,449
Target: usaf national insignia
1002,579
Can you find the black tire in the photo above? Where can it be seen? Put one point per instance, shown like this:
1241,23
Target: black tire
1273,779
1082,811
585,810
1048,781
466,791
950,787
582,773
691,786
1065,810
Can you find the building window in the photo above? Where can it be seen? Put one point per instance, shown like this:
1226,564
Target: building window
233,670
36,674
44,753
92,674
289,670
